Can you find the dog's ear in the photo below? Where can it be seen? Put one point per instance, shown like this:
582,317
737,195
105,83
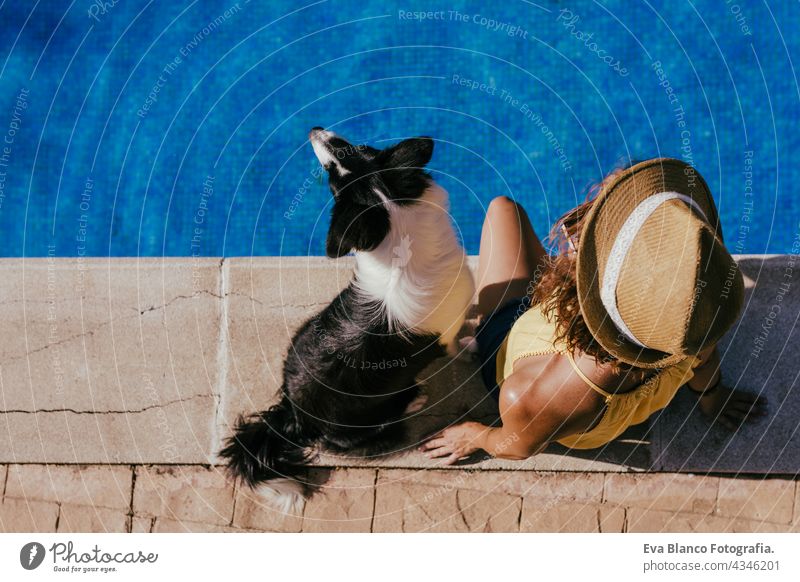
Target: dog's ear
355,227
415,152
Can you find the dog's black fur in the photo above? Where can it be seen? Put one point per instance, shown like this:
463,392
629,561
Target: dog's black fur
334,392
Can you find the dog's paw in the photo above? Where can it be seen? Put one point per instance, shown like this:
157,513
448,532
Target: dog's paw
417,404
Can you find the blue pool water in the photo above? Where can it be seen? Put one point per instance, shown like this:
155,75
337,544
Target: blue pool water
179,128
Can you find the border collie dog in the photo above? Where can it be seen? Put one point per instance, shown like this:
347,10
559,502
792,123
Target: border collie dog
350,375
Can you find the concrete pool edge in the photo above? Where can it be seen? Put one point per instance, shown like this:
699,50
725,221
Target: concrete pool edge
149,361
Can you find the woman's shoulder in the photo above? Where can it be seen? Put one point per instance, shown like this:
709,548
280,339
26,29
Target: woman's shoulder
548,386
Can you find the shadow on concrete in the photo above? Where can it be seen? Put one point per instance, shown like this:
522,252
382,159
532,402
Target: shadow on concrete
678,438
761,354
456,394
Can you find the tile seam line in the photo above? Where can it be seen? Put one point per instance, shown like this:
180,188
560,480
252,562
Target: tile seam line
208,465
222,362
131,507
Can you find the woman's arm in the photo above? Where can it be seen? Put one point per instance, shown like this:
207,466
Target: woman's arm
527,428
707,373
721,404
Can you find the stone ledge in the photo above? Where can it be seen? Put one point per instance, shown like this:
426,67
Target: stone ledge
151,360
176,498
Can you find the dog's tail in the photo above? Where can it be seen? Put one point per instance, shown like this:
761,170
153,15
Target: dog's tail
267,451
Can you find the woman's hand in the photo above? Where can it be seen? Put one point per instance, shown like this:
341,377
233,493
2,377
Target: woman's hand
731,408
456,442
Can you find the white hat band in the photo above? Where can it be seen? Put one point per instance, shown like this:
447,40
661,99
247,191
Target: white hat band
622,244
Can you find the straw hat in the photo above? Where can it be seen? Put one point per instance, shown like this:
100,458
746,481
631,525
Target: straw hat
655,281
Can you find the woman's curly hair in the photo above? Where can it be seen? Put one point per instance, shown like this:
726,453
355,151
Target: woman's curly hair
557,289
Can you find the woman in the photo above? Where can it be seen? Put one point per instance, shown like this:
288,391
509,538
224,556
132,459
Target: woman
580,346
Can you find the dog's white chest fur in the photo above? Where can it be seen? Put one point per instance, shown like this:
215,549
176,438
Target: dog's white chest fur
419,272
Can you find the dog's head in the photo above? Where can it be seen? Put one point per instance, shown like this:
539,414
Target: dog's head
365,182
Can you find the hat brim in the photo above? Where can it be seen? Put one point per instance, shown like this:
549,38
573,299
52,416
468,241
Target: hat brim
616,200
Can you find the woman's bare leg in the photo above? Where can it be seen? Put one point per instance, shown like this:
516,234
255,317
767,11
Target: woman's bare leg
510,255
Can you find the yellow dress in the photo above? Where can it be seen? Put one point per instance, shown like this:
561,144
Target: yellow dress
534,334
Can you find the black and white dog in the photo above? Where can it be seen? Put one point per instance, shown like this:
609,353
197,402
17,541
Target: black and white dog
350,375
